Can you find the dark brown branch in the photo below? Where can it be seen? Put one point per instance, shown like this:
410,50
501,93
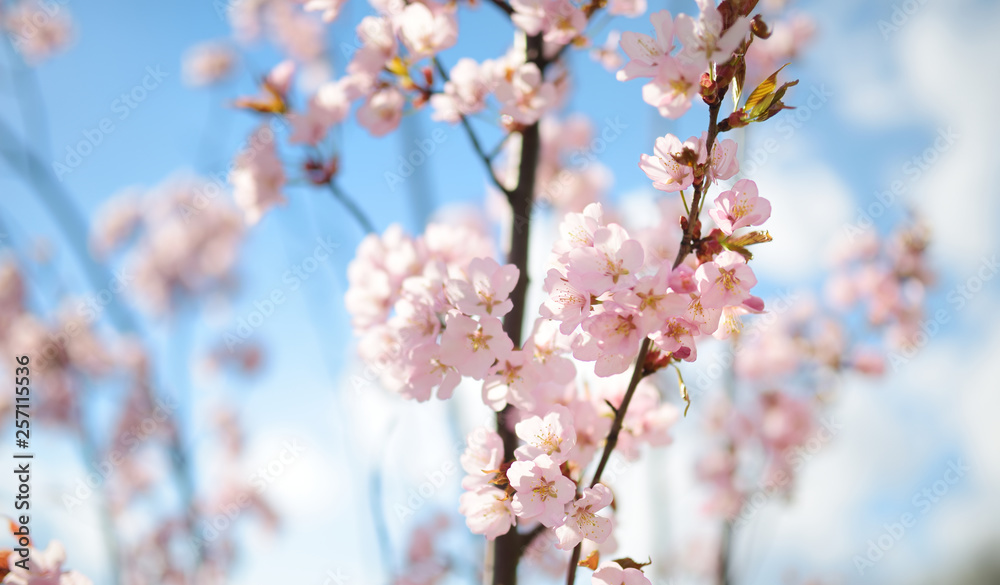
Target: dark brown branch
507,548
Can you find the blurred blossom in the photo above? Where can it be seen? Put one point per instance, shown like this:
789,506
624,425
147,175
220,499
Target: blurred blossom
208,63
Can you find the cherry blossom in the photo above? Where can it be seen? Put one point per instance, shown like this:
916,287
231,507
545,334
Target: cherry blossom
610,264
485,289
471,347
613,574
542,491
526,96
487,512
673,86
646,52
258,178
703,40
725,281
427,29
552,436
382,111
740,207
481,459
663,167
208,63
465,92
329,8
582,520
45,567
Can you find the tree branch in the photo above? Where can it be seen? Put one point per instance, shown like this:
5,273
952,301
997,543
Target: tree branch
352,207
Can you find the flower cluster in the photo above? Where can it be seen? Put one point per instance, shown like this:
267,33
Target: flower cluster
676,69
608,299
182,239
536,487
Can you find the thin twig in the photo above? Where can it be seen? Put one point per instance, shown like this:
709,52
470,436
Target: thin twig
476,144
352,207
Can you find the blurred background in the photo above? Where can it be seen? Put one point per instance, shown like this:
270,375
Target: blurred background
319,473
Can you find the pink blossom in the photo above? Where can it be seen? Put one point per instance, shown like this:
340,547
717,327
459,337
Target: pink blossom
676,82
36,30
703,40
482,458
627,8
785,421
526,96
612,340
427,29
611,264
565,303
329,8
653,301
553,436
646,52
382,111
258,177
487,511
740,207
666,173
379,46
560,20
465,92
613,574
485,289
208,63
45,568
542,491
509,381
724,162
577,229
729,318
334,98
706,319
309,127
607,54
676,336
725,281
427,372
582,520
471,347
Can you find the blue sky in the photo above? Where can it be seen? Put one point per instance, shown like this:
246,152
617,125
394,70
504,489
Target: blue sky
884,108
